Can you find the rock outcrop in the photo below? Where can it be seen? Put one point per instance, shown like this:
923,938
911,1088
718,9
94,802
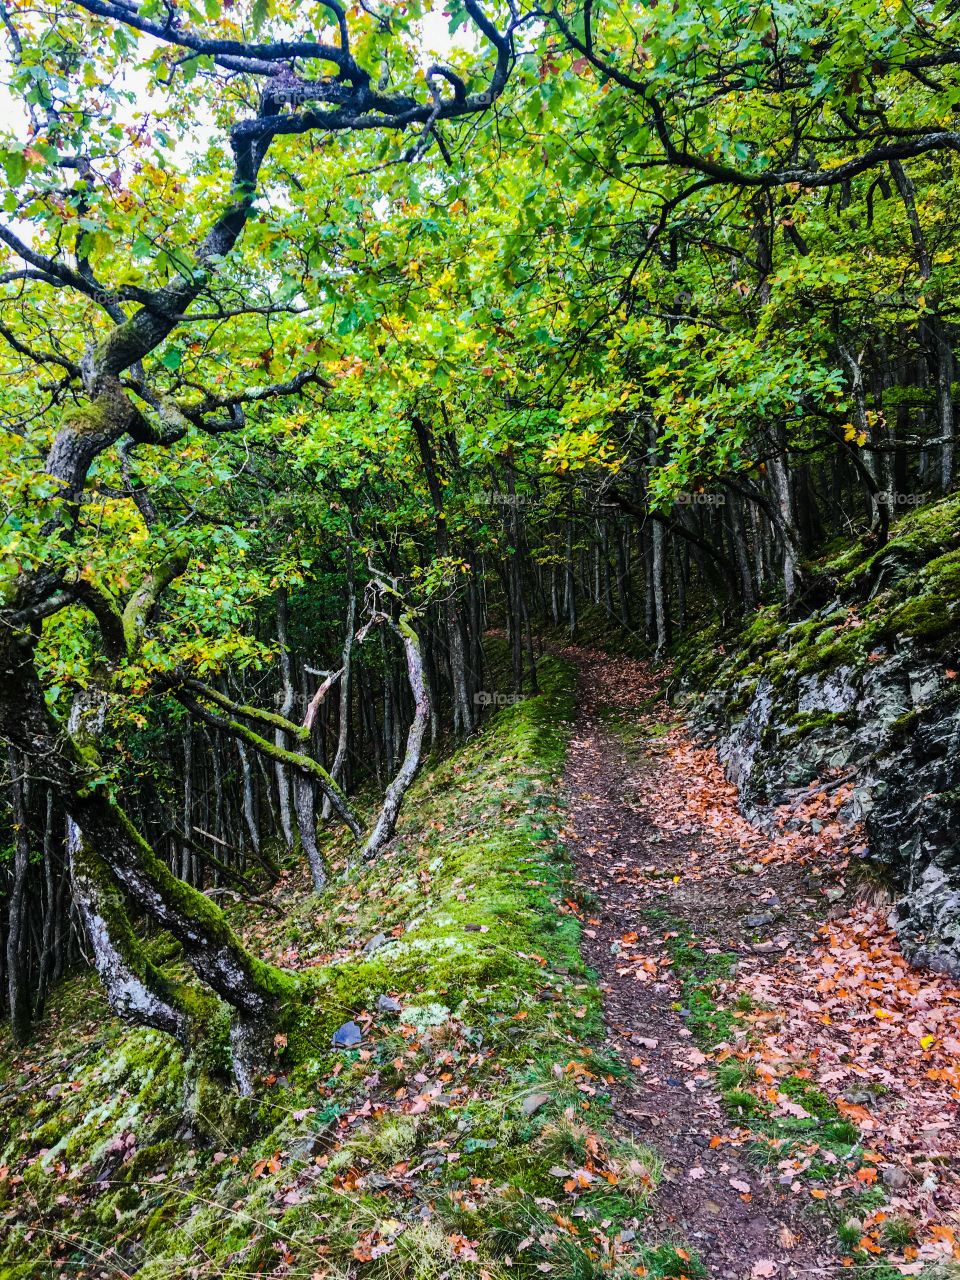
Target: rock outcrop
864,683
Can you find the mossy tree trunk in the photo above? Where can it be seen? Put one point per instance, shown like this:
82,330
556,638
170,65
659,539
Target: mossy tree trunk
111,860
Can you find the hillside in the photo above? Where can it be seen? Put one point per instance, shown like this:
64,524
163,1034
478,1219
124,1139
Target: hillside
428,1144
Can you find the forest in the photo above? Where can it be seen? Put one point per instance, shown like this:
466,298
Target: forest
479,602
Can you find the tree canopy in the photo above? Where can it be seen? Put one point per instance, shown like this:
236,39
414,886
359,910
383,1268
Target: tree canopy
322,352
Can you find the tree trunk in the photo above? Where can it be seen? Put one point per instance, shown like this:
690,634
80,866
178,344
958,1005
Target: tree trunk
387,821
570,585
19,994
305,799
51,883
249,816
346,681
741,553
185,854
659,576
286,708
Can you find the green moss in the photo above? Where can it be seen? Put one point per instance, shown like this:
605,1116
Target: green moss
807,721
902,729
931,612
809,1097
483,958
116,340
85,420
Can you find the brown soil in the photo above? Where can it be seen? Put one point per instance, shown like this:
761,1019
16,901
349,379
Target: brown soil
629,867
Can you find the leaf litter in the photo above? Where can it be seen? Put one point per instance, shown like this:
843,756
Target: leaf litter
819,993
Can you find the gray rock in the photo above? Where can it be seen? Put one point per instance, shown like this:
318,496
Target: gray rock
307,1148
388,1004
738,749
374,943
757,922
347,1036
859,1096
533,1102
900,732
831,694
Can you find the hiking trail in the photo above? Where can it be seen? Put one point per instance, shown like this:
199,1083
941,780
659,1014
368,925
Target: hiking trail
638,875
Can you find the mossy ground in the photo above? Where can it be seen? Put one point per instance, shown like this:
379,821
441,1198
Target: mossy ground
469,1129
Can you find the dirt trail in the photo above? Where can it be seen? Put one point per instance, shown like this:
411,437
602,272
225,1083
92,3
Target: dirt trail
710,1197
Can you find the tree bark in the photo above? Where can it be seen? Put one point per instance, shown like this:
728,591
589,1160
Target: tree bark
386,823
286,707
346,681
19,994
